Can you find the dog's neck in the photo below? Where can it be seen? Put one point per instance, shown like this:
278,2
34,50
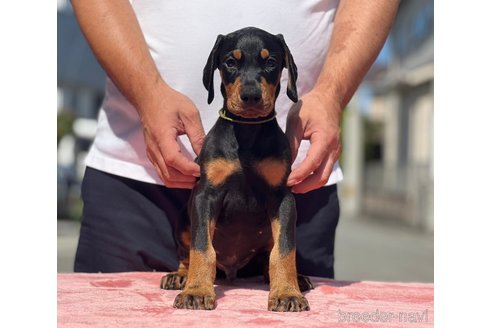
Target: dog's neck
249,131
225,114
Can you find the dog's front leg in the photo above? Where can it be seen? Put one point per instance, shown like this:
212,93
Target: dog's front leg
198,293
285,295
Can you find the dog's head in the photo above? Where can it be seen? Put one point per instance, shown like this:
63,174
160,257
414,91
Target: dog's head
250,62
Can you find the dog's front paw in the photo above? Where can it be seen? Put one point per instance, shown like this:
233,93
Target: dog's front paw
173,280
288,303
191,301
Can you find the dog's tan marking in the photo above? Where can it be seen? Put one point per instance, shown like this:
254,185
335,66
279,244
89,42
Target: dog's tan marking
185,237
218,170
233,92
268,95
237,54
202,263
264,53
272,170
211,230
200,277
183,266
283,275
201,272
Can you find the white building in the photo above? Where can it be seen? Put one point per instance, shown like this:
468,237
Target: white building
80,87
400,184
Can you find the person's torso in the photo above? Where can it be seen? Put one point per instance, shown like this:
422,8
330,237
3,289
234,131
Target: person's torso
180,35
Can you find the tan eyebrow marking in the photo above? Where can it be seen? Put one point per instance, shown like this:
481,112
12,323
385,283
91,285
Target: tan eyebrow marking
237,54
264,53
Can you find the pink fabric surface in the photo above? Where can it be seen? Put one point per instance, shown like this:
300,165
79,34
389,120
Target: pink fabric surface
134,299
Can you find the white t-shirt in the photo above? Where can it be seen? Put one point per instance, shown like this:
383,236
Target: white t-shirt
180,35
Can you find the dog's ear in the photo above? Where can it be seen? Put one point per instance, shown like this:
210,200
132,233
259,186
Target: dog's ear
291,69
208,71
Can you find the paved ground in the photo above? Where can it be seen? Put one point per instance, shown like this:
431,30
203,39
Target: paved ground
369,249
366,249
68,234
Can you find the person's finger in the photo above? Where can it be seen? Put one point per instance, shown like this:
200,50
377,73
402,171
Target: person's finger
195,132
156,164
321,176
173,156
316,180
316,154
184,165
172,178
180,185
155,157
167,174
177,176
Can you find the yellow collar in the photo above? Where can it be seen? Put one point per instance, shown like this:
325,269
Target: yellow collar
222,114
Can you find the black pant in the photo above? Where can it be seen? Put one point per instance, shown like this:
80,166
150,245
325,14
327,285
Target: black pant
128,225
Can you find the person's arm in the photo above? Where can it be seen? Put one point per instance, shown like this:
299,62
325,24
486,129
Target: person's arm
112,31
360,30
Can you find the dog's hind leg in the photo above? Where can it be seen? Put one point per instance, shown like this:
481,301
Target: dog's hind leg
176,280
304,283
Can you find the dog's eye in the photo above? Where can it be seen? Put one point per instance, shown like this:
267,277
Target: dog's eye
271,62
231,63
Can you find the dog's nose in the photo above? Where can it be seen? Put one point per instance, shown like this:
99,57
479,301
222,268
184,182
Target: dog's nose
250,95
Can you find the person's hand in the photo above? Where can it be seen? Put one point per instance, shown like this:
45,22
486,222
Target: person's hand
315,117
172,114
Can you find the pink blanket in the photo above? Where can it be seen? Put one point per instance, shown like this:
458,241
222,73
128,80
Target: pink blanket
134,300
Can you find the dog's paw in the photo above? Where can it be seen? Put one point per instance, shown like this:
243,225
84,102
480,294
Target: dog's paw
195,302
288,303
304,283
173,281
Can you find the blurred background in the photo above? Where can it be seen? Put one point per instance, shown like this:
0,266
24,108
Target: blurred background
387,205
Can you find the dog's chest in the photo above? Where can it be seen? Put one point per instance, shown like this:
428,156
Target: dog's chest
245,171
237,242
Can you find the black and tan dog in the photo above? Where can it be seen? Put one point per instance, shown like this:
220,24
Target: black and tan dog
241,207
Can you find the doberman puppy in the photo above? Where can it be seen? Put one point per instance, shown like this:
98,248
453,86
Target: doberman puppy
241,207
